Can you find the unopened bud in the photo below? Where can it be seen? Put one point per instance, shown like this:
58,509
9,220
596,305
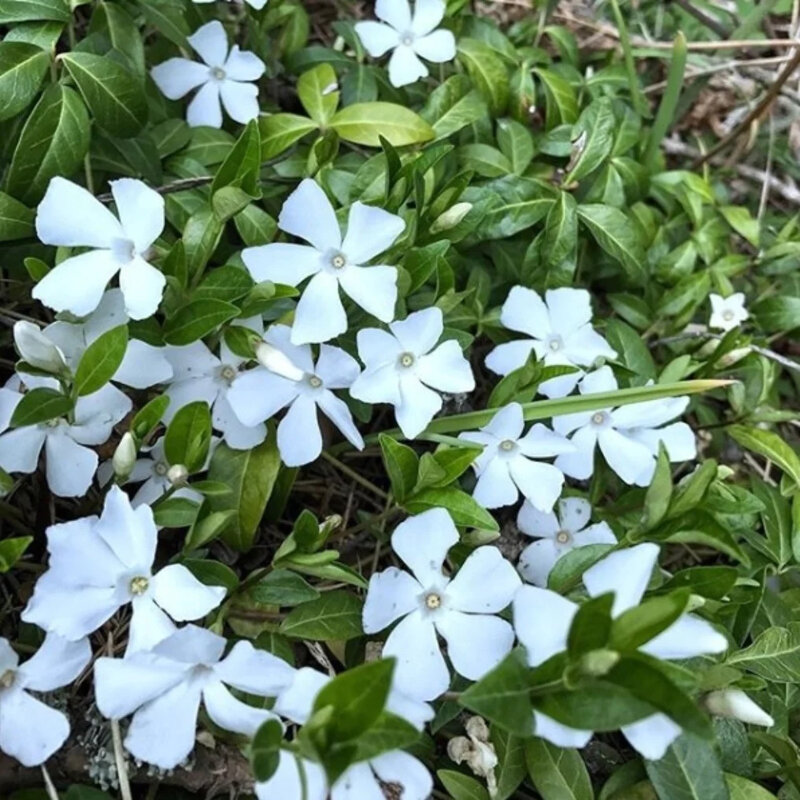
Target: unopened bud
730,358
451,217
734,703
124,457
36,349
177,474
275,361
599,662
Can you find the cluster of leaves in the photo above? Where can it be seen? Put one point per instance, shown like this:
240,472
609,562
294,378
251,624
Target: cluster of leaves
517,164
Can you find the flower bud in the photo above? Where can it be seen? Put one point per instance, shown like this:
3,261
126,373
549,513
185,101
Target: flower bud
734,703
451,217
177,474
730,358
275,361
124,456
599,662
36,349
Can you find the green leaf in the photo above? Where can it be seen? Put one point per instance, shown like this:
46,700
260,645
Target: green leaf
461,786
101,360
401,464
365,123
281,131
774,655
463,508
771,446
11,550
148,417
250,474
690,770
34,10
595,132
16,219
242,165
561,104
169,18
53,141
615,234
114,95
591,626
226,283
388,732
453,105
659,493
560,230
557,773
516,144
335,616
778,313
742,789
487,72
281,587
197,319
740,219
22,68
188,436
265,750
175,512
317,89
638,625
40,405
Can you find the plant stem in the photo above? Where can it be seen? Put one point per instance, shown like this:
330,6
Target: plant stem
48,784
351,473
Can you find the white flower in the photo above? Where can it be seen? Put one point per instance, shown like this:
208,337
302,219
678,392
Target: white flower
561,331
557,535
409,37
258,394
257,4
734,703
143,365
286,782
628,436
403,364
31,731
506,466
332,261
461,609
363,781
224,75
727,313
99,565
200,375
163,689
36,349
542,620
70,461
69,216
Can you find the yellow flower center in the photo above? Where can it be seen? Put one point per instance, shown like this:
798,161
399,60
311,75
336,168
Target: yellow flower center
138,585
433,601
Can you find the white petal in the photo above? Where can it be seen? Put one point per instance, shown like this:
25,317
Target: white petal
485,583
537,560
678,439
131,534
176,77
397,767
419,332
417,407
183,392
257,395
70,611
507,423
584,346
357,782
70,466
422,542
193,645
287,264
376,37
30,731
560,386
71,216
287,783
377,347
626,573
687,637
391,594
574,513
374,385
55,664
579,464
338,413
143,285
236,434
299,436
370,231
405,67
243,66
627,457
652,735
77,283
560,735
541,442
601,380
524,311
210,42
149,626
319,315
533,522
182,596
205,108
600,533
427,15
540,483
569,309
9,400
542,620
308,214
412,710
509,356
280,336
337,368
439,46
495,487
396,12
254,671
143,366
446,369
141,211
240,100
296,702
231,714
20,448
476,643
372,288
649,414
421,670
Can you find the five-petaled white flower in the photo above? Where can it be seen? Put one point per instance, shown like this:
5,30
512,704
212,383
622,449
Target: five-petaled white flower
163,689
560,327
332,261
99,565
31,731
542,620
557,535
409,37
461,609
224,76
507,467
727,313
628,436
70,460
258,394
69,216
403,364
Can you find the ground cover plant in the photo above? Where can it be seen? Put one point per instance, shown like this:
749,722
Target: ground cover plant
399,400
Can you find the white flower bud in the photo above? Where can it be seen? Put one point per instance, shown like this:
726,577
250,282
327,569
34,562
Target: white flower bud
177,474
275,361
451,217
124,456
36,349
734,703
731,357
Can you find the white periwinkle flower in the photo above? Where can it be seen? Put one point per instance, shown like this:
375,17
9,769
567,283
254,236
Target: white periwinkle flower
735,704
332,261
542,621
428,603
223,76
560,327
70,460
557,535
727,313
404,366
36,349
365,780
99,565
507,467
69,216
31,731
287,783
628,436
258,394
409,37
163,689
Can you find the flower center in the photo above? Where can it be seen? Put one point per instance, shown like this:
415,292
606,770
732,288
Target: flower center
433,601
727,315
227,373
53,423
563,537
507,445
160,469
555,344
7,679
123,250
407,39
138,585
218,74
599,418
338,261
314,382
407,360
